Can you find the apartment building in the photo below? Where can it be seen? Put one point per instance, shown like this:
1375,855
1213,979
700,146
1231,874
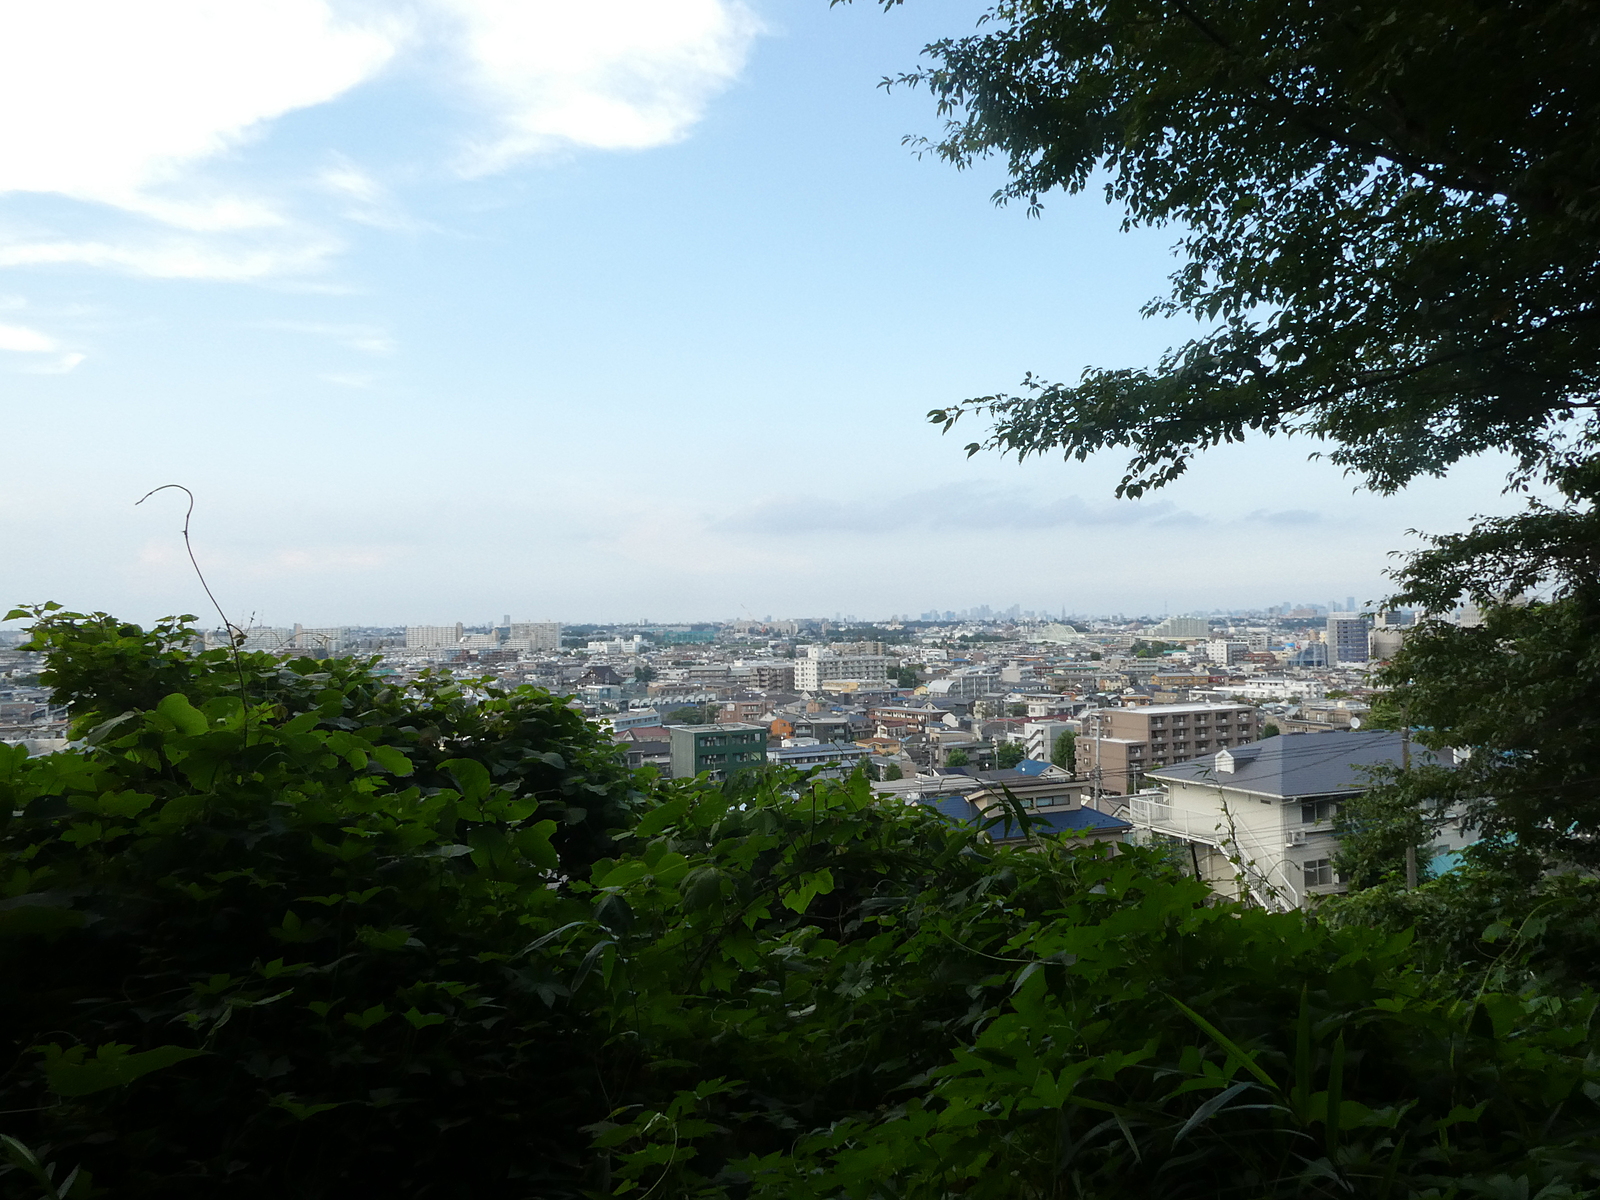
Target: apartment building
1347,639
719,750
1259,820
433,637
823,666
1119,744
773,677
533,635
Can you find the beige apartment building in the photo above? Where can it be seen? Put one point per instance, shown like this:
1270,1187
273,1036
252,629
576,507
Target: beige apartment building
1119,744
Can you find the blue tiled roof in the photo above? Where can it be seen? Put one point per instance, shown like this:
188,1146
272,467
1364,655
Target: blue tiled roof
1062,820
955,806
1032,766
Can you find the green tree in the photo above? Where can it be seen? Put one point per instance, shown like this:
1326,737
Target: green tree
893,771
694,714
1270,729
1388,216
905,676
643,674
957,758
1064,752
1009,754
1400,812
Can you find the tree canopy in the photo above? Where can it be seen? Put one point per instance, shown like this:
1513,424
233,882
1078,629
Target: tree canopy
1389,216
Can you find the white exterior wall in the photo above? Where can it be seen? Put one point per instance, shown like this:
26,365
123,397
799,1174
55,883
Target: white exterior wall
1039,737
1266,834
811,672
537,635
433,637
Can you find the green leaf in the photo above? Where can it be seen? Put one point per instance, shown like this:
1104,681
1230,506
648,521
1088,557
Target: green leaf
188,719
71,1073
657,819
391,760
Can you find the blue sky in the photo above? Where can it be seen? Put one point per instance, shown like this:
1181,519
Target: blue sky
457,308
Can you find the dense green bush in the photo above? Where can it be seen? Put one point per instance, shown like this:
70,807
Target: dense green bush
315,901
354,938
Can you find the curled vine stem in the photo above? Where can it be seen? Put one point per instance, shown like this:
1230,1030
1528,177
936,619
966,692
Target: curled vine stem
235,634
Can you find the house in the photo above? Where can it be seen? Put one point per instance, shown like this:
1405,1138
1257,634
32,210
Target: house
1257,819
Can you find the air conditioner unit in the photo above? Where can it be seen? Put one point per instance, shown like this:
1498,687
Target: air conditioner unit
1296,839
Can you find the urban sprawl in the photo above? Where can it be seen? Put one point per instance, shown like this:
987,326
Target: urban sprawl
1232,739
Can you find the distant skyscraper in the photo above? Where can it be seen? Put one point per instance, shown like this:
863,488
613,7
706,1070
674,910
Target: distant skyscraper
1349,604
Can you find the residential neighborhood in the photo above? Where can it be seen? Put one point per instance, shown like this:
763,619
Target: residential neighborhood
1230,738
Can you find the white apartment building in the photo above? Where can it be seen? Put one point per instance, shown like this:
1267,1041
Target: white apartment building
1273,688
1181,627
433,637
821,666
265,637
967,683
1257,820
1039,737
533,635
1226,651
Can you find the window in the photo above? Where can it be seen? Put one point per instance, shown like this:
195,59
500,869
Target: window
1314,812
1319,872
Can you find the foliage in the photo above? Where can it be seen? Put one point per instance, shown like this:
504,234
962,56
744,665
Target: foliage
957,758
643,674
1270,729
353,938
812,995
694,714
893,772
1399,811
1009,754
1389,219
1521,690
1064,753
274,948
1145,649
1488,927
906,676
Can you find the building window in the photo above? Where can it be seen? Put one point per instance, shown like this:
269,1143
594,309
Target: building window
1314,812
1319,872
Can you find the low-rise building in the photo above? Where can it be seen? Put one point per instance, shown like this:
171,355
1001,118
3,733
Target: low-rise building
809,753
1256,821
719,750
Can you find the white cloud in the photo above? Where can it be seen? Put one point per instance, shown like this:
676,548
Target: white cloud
181,257
625,75
369,339
19,339
137,110
121,97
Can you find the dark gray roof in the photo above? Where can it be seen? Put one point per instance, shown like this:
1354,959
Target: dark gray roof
1301,764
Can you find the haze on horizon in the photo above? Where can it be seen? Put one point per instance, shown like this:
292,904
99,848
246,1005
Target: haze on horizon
464,307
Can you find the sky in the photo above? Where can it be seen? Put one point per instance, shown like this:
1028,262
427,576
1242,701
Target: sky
451,309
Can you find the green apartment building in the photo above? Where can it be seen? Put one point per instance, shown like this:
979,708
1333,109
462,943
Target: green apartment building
719,749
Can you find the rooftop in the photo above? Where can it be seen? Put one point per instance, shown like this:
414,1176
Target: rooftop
1299,764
